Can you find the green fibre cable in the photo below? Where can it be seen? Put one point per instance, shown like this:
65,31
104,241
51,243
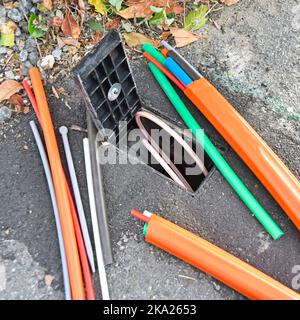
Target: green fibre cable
236,183
147,47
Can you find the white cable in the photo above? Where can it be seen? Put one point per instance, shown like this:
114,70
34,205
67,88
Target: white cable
85,232
97,239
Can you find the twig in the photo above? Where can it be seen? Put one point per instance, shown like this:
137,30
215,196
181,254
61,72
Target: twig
6,63
184,11
186,277
38,47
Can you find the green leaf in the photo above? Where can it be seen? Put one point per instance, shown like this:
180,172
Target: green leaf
7,39
34,31
127,26
196,19
41,8
116,3
95,25
158,18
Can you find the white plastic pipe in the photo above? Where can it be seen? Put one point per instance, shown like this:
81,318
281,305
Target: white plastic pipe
87,241
97,239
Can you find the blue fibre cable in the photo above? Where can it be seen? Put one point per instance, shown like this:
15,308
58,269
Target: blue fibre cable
178,72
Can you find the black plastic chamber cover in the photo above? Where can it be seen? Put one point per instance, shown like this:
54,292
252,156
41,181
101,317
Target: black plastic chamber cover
107,85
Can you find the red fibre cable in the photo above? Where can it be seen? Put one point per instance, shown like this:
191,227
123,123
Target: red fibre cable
81,247
32,99
165,71
138,215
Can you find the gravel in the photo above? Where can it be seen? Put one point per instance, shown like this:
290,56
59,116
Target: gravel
23,55
5,114
47,62
9,75
18,32
2,15
57,54
15,15
30,45
3,50
33,57
26,5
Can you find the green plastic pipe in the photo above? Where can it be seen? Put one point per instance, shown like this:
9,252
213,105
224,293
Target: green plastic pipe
236,183
147,47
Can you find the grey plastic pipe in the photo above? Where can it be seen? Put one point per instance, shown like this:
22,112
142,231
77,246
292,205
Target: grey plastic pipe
88,245
47,171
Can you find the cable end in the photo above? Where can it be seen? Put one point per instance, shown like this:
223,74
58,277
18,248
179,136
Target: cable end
138,215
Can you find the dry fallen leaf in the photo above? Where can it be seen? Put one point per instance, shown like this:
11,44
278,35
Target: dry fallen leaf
96,37
55,93
136,11
61,90
171,5
8,88
81,8
70,26
183,37
16,99
48,4
230,2
8,5
8,25
67,41
113,24
48,280
56,22
165,35
142,9
134,39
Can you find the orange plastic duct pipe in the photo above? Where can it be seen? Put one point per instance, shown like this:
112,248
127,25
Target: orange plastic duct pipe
72,255
252,149
209,258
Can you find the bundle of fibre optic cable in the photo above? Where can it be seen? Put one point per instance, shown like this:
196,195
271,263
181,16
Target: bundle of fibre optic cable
251,148
243,192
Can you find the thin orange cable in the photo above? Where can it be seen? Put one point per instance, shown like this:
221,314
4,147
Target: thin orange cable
164,52
73,261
